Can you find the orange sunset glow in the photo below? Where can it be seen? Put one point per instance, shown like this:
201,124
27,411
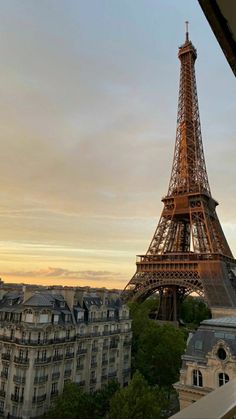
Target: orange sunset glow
88,117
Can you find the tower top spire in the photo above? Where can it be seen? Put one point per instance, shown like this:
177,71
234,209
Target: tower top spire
186,33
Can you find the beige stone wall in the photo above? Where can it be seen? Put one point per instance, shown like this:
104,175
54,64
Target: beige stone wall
218,312
90,354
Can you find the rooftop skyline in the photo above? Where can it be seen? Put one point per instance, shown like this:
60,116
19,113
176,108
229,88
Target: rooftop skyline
88,115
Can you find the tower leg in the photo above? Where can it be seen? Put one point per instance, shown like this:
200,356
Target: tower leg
169,304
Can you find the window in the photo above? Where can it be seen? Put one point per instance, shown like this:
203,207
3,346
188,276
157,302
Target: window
198,345
80,315
223,379
1,406
43,318
16,391
197,378
221,354
54,388
29,318
5,371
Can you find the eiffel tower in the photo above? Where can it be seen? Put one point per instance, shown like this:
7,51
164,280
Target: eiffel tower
189,252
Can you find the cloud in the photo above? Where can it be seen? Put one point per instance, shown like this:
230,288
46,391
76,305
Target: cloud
60,273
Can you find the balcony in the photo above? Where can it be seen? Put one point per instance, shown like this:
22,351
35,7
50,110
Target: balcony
94,348
104,377
18,379
69,355
4,374
115,332
80,366
58,357
113,345
6,357
67,373
112,374
40,380
127,343
42,361
81,351
2,393
112,360
55,376
54,394
21,361
17,398
219,404
95,334
39,399
105,362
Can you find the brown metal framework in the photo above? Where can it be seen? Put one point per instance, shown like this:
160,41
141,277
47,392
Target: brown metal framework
189,251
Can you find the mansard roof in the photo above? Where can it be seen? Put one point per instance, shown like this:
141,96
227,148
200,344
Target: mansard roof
40,300
92,301
211,332
222,321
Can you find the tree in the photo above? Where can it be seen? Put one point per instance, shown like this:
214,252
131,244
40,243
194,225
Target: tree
136,401
73,403
194,310
159,355
156,349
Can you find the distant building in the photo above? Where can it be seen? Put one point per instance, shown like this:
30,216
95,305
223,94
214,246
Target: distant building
209,361
48,338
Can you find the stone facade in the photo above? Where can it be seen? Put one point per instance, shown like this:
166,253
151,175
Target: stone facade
49,337
209,361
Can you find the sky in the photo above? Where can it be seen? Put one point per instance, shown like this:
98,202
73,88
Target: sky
88,104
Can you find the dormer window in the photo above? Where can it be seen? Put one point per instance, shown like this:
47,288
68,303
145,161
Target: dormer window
29,317
43,318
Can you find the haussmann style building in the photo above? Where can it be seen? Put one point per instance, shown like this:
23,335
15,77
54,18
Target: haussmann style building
50,337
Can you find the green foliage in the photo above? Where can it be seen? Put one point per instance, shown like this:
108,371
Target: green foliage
194,311
103,397
136,401
156,350
75,404
159,354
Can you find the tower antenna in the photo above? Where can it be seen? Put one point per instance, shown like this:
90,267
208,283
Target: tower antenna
186,24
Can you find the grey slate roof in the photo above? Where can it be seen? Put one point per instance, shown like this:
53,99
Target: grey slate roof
92,301
209,333
40,300
222,321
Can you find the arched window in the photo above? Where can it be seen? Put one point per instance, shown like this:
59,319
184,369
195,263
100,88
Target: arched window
29,317
223,378
197,378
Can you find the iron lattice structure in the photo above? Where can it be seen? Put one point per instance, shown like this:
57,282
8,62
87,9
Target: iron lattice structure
189,251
